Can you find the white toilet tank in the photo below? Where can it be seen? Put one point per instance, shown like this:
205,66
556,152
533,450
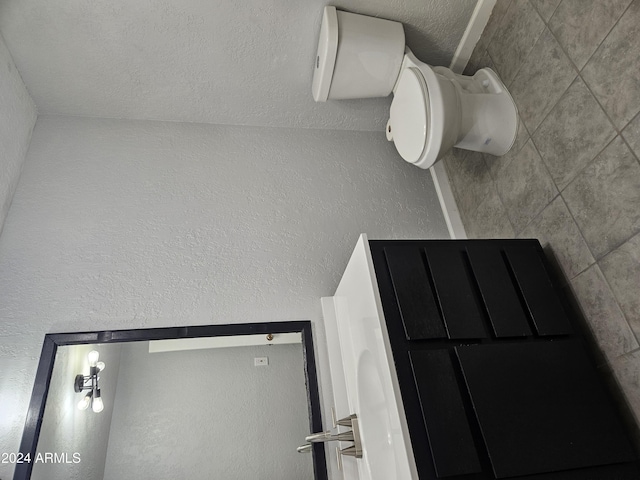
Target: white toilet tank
358,56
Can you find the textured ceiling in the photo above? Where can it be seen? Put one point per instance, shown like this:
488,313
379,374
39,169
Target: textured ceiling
223,62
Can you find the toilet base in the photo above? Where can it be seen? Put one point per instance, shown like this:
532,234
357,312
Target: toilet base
489,123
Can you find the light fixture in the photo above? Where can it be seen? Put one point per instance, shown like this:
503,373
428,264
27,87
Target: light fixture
89,383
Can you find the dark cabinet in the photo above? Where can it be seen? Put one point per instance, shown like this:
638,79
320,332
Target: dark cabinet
495,381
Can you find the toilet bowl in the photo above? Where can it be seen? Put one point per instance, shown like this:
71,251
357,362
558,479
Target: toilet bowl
433,109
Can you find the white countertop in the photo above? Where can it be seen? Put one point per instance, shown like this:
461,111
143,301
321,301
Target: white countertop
363,374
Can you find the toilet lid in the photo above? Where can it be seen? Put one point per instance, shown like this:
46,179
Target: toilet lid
409,121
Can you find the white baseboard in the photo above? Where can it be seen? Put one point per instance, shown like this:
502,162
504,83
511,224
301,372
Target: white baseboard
447,201
478,21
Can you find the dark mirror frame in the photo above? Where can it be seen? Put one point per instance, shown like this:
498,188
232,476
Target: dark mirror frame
53,340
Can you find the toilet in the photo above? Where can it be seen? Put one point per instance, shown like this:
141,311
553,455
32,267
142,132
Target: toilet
433,109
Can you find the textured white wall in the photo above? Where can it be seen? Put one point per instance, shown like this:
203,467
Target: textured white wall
124,224
67,430
209,414
241,63
17,118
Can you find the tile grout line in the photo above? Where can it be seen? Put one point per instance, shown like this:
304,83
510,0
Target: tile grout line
544,164
546,169
581,272
615,127
538,214
555,104
565,91
575,67
597,46
637,157
579,75
532,47
578,70
589,163
617,246
618,131
529,53
547,27
554,11
632,351
499,24
506,212
595,258
490,178
617,302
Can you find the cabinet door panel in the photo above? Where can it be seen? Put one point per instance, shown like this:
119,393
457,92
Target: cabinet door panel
542,300
461,309
542,408
413,290
506,313
452,446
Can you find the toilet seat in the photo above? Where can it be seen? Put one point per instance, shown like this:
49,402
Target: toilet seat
409,115
417,100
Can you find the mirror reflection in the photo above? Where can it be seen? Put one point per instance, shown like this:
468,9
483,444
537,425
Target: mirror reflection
231,407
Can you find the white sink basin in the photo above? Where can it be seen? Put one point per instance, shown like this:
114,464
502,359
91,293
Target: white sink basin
375,426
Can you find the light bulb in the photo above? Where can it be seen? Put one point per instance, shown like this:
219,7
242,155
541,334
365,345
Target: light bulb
85,402
97,405
100,366
93,358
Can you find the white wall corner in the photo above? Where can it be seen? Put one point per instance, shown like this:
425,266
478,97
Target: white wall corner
17,120
471,35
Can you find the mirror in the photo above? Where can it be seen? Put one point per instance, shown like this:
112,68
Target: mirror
218,401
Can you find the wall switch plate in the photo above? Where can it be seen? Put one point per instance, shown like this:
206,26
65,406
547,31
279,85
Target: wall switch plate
260,361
